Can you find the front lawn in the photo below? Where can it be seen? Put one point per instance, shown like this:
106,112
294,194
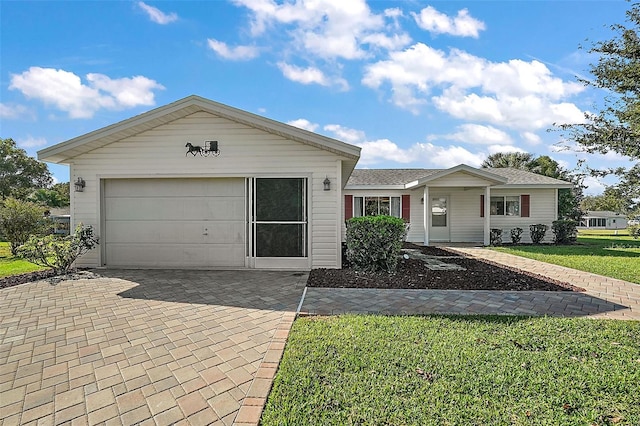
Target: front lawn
10,265
457,370
616,256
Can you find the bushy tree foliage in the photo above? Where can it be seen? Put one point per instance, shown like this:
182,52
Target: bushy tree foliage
616,126
20,174
21,219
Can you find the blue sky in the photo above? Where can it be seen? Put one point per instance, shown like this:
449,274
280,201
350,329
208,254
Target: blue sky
414,83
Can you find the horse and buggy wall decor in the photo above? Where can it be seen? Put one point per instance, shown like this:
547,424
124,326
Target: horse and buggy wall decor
209,148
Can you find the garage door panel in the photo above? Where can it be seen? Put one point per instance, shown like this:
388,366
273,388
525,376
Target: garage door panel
167,187
174,222
222,232
175,256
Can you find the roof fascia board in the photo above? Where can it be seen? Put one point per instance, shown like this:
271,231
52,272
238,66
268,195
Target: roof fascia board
497,180
534,186
374,187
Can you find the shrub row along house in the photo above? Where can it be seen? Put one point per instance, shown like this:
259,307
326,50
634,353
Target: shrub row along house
198,184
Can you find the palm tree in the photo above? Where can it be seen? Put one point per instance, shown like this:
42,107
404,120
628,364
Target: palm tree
516,160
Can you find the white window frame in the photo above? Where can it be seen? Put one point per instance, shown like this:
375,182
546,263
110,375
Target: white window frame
506,199
363,198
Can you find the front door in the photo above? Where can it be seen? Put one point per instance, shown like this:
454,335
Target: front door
439,223
279,224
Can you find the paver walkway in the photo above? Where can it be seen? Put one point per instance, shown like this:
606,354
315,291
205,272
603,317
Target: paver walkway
144,347
605,297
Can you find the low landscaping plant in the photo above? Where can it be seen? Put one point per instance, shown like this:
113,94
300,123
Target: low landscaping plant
537,232
516,235
59,252
374,242
634,231
564,231
495,237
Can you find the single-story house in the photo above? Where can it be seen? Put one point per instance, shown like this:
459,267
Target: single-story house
603,219
198,184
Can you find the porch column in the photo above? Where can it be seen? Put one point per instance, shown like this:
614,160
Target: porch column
425,215
487,215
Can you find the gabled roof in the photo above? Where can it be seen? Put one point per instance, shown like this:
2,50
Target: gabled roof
603,213
412,178
65,151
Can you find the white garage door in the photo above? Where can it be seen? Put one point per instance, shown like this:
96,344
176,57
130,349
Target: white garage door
174,223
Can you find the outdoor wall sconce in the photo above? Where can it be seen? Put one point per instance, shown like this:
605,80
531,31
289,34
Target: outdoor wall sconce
422,200
79,184
327,184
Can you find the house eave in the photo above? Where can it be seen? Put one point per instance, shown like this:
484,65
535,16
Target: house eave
373,187
64,152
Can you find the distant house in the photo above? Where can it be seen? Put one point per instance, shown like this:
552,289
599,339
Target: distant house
61,218
198,184
603,220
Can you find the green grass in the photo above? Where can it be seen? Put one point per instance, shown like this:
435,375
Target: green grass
10,265
616,256
376,370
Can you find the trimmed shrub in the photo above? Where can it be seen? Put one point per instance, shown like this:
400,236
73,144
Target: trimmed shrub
374,242
516,235
538,232
58,252
634,231
564,231
496,237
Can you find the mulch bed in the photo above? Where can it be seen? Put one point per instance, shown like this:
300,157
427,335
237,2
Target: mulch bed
48,275
413,274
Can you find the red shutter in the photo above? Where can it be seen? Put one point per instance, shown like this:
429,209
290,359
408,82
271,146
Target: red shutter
348,207
406,208
482,206
525,201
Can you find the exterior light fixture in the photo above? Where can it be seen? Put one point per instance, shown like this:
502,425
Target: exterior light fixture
422,200
79,184
327,184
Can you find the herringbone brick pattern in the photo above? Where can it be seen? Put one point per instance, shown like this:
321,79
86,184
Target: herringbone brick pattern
143,347
605,297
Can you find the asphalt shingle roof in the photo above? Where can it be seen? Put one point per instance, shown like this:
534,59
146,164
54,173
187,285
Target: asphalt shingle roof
383,177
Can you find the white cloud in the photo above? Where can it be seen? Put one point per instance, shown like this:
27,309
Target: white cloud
236,53
14,111
31,142
156,15
303,123
66,91
478,134
328,29
346,134
420,154
517,94
463,24
311,75
531,138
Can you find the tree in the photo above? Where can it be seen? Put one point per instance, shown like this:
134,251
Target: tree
612,199
62,188
568,199
516,160
48,198
20,174
616,127
21,219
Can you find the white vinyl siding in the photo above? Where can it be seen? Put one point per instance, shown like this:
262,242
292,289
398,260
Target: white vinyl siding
466,224
244,152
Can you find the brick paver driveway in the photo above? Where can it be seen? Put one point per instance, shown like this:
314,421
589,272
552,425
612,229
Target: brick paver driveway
144,347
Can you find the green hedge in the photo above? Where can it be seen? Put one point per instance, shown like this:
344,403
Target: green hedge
564,231
374,242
